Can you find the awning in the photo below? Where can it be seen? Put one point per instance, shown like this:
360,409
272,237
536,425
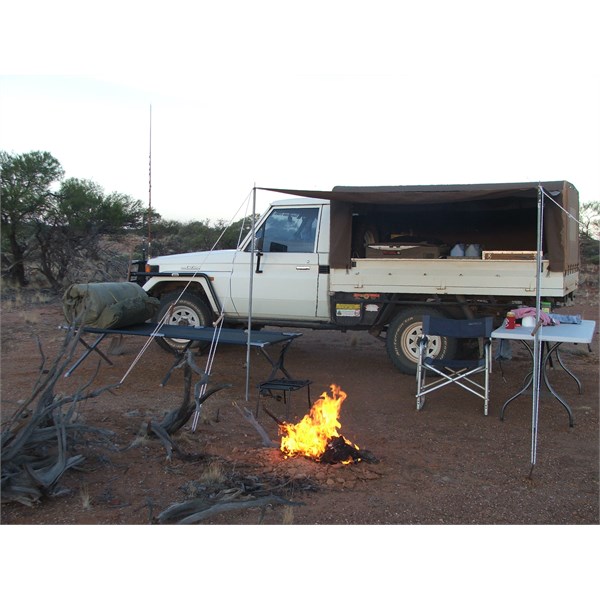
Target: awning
562,249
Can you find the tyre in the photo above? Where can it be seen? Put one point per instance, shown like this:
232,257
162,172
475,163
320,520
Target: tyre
403,335
184,309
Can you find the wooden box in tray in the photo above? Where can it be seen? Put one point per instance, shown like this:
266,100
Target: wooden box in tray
508,255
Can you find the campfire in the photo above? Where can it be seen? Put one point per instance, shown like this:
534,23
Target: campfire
317,435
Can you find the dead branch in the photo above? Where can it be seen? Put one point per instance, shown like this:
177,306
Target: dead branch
37,439
155,429
177,418
274,417
193,511
247,414
233,490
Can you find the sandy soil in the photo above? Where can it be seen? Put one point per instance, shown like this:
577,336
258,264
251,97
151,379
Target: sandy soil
447,464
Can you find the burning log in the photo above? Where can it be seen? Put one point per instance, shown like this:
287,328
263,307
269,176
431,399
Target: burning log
338,450
317,435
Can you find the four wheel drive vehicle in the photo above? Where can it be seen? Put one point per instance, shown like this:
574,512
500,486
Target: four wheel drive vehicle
378,259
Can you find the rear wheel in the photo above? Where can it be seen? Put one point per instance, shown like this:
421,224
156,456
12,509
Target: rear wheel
403,336
183,309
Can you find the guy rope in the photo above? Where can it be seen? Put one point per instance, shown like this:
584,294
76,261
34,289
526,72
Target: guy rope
217,324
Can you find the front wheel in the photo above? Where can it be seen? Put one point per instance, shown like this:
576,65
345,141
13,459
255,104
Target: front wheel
402,340
183,309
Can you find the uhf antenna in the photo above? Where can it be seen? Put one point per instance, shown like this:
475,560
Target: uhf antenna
150,188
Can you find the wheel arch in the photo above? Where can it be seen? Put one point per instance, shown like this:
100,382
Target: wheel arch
200,286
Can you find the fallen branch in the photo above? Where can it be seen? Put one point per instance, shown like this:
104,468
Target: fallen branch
177,418
247,414
274,417
37,438
193,511
174,420
160,432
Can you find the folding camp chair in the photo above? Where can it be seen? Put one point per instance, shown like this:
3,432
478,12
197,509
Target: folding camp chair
458,371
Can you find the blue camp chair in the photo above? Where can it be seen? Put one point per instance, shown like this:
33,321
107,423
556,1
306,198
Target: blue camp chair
470,374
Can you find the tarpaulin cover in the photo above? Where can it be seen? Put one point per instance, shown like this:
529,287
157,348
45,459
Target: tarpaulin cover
108,305
560,232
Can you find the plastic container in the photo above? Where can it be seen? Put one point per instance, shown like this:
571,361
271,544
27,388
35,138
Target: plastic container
458,250
473,251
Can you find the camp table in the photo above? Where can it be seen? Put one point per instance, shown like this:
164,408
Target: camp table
552,337
260,339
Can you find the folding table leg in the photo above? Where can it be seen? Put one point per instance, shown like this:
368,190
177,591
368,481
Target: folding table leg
549,385
278,365
90,348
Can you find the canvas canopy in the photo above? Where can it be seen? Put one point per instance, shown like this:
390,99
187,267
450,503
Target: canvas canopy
510,208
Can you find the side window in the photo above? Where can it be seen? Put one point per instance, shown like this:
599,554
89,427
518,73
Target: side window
289,230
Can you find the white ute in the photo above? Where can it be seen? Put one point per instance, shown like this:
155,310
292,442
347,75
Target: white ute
378,259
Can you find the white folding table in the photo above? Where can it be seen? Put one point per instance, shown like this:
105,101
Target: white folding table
551,336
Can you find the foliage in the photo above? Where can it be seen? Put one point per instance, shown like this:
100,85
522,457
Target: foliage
25,187
83,207
173,237
69,235
589,232
56,232
589,219
64,229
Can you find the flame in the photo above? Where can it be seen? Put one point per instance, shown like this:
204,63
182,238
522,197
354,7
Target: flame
311,435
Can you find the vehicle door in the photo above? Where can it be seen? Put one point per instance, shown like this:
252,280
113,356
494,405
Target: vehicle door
285,266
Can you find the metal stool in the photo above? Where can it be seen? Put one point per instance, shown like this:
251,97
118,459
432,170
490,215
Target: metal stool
287,386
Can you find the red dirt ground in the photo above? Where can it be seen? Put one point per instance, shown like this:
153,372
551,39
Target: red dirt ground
447,464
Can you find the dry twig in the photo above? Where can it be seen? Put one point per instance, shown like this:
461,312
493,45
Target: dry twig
247,414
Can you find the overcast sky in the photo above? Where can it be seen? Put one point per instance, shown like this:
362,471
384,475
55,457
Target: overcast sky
302,95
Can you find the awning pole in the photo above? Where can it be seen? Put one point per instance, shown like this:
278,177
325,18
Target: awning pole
251,279
537,344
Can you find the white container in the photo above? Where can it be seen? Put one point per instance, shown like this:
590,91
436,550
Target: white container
528,321
473,251
458,250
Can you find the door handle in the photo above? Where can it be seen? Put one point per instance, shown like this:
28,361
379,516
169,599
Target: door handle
302,268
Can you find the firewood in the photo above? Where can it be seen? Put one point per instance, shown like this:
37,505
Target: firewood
37,439
247,414
193,511
339,450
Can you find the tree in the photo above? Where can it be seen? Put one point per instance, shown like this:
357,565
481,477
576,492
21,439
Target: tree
589,230
589,219
69,232
25,189
173,237
58,230
235,233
